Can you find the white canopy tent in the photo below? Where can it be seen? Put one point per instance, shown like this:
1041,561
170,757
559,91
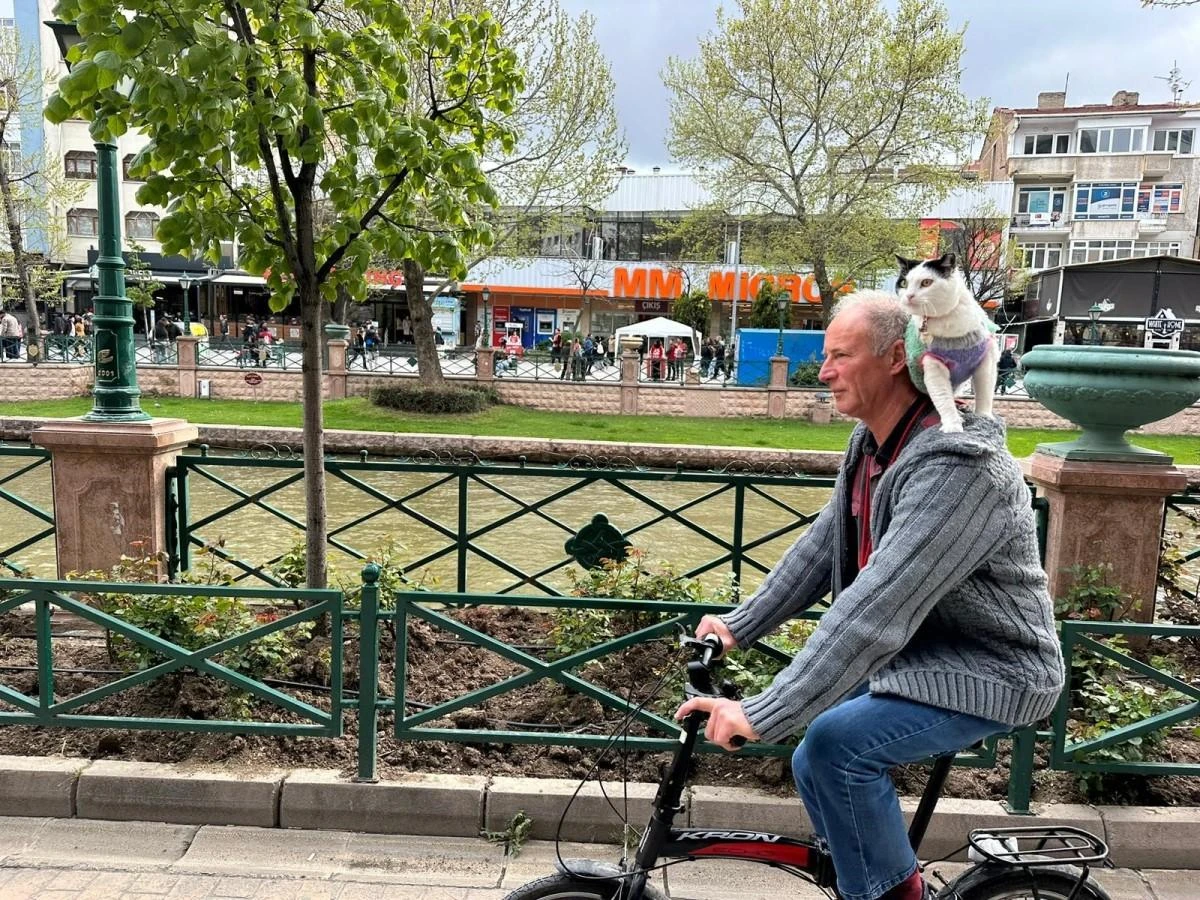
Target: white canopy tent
661,327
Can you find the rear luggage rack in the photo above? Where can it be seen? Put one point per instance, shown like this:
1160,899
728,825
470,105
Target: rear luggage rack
1049,845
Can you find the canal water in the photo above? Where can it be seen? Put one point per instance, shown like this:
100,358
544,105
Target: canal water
520,522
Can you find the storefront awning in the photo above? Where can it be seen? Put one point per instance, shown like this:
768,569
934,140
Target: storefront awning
241,280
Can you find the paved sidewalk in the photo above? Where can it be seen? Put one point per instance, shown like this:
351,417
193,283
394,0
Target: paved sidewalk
81,859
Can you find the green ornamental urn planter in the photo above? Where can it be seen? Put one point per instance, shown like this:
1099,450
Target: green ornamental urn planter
1108,390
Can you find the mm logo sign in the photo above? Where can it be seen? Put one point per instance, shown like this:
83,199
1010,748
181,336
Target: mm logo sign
723,285
653,284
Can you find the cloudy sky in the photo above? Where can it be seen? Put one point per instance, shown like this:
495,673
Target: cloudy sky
1013,50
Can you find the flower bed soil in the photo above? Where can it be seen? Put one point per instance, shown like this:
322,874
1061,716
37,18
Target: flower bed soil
441,667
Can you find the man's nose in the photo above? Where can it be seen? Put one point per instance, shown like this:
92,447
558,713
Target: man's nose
824,372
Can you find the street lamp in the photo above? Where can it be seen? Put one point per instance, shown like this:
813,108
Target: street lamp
185,282
1093,331
115,394
781,303
486,335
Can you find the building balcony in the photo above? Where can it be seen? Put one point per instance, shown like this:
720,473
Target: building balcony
1042,168
1091,167
1027,224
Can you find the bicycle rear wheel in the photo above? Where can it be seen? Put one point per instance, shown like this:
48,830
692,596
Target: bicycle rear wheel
569,887
1009,883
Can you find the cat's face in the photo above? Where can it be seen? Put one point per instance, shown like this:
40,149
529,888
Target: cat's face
927,287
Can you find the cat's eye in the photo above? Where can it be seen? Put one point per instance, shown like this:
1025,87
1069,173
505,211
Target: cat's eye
903,282
926,282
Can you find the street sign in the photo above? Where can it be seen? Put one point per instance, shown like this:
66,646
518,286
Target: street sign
253,379
1165,324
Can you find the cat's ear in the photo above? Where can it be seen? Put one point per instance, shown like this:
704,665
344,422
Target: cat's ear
907,265
945,263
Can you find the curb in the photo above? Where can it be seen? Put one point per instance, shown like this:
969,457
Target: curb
463,805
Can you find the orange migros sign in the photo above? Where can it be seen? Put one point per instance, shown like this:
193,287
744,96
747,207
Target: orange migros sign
667,284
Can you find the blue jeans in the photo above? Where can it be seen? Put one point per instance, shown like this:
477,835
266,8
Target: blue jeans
841,771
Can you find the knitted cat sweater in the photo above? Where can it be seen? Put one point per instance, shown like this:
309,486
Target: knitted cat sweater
961,355
951,609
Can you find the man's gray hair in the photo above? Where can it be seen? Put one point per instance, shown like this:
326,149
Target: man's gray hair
886,320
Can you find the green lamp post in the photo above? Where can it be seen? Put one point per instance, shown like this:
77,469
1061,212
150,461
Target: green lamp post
185,282
781,303
1093,331
116,394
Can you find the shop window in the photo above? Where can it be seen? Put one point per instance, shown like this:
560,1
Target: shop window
80,164
1040,255
141,225
83,223
125,163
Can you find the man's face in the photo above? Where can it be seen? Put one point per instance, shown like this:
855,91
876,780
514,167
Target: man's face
859,380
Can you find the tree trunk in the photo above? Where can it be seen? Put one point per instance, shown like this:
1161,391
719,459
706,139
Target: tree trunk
33,321
340,305
314,432
828,295
420,311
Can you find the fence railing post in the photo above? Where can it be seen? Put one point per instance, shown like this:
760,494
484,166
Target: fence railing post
1020,772
368,675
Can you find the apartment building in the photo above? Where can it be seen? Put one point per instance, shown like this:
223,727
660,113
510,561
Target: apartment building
1097,182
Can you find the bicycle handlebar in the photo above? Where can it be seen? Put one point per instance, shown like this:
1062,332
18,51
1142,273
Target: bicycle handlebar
707,653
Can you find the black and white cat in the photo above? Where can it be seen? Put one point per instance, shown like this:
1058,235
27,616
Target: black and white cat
949,338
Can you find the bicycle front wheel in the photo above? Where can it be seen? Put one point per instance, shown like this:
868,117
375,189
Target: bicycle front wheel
569,887
1008,883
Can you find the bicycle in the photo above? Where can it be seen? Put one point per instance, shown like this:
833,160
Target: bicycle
1038,863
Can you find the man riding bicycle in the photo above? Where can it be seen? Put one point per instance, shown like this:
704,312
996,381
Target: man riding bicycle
940,631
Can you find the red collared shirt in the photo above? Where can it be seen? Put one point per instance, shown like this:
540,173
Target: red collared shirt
872,464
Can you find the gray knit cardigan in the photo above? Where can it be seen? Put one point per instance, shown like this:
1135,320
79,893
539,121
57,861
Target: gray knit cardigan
951,609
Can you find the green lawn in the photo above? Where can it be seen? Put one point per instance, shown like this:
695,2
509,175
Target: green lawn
512,421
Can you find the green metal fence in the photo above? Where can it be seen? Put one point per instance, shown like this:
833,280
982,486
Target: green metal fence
490,527
419,717
48,706
1183,518
24,473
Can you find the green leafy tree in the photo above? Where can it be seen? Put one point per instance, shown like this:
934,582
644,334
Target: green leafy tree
838,115
693,309
140,285
30,190
567,143
764,311
266,117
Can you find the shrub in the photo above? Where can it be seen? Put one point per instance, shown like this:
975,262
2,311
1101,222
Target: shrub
1093,596
418,398
806,374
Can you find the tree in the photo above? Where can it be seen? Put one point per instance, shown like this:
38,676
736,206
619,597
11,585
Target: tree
263,115
568,142
764,312
585,271
30,188
692,308
141,286
838,115
977,242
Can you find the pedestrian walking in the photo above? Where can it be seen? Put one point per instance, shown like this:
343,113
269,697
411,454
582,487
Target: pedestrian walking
10,336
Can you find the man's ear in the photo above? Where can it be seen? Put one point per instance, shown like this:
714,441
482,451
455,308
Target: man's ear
899,358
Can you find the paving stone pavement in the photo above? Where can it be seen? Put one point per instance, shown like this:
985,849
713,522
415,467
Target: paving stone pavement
80,859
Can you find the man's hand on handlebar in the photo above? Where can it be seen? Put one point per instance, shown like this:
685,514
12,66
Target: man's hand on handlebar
713,625
726,721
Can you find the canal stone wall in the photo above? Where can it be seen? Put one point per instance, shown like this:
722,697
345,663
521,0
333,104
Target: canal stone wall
22,381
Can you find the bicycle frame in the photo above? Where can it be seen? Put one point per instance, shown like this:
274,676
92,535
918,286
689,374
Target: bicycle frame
662,840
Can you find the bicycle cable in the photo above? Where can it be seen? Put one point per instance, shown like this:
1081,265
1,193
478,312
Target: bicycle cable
618,734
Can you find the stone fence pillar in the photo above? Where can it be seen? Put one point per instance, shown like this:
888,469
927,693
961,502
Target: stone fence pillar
485,364
629,376
109,482
777,388
335,373
187,346
1105,512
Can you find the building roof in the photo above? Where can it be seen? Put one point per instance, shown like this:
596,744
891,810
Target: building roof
657,193
1094,109
1183,261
